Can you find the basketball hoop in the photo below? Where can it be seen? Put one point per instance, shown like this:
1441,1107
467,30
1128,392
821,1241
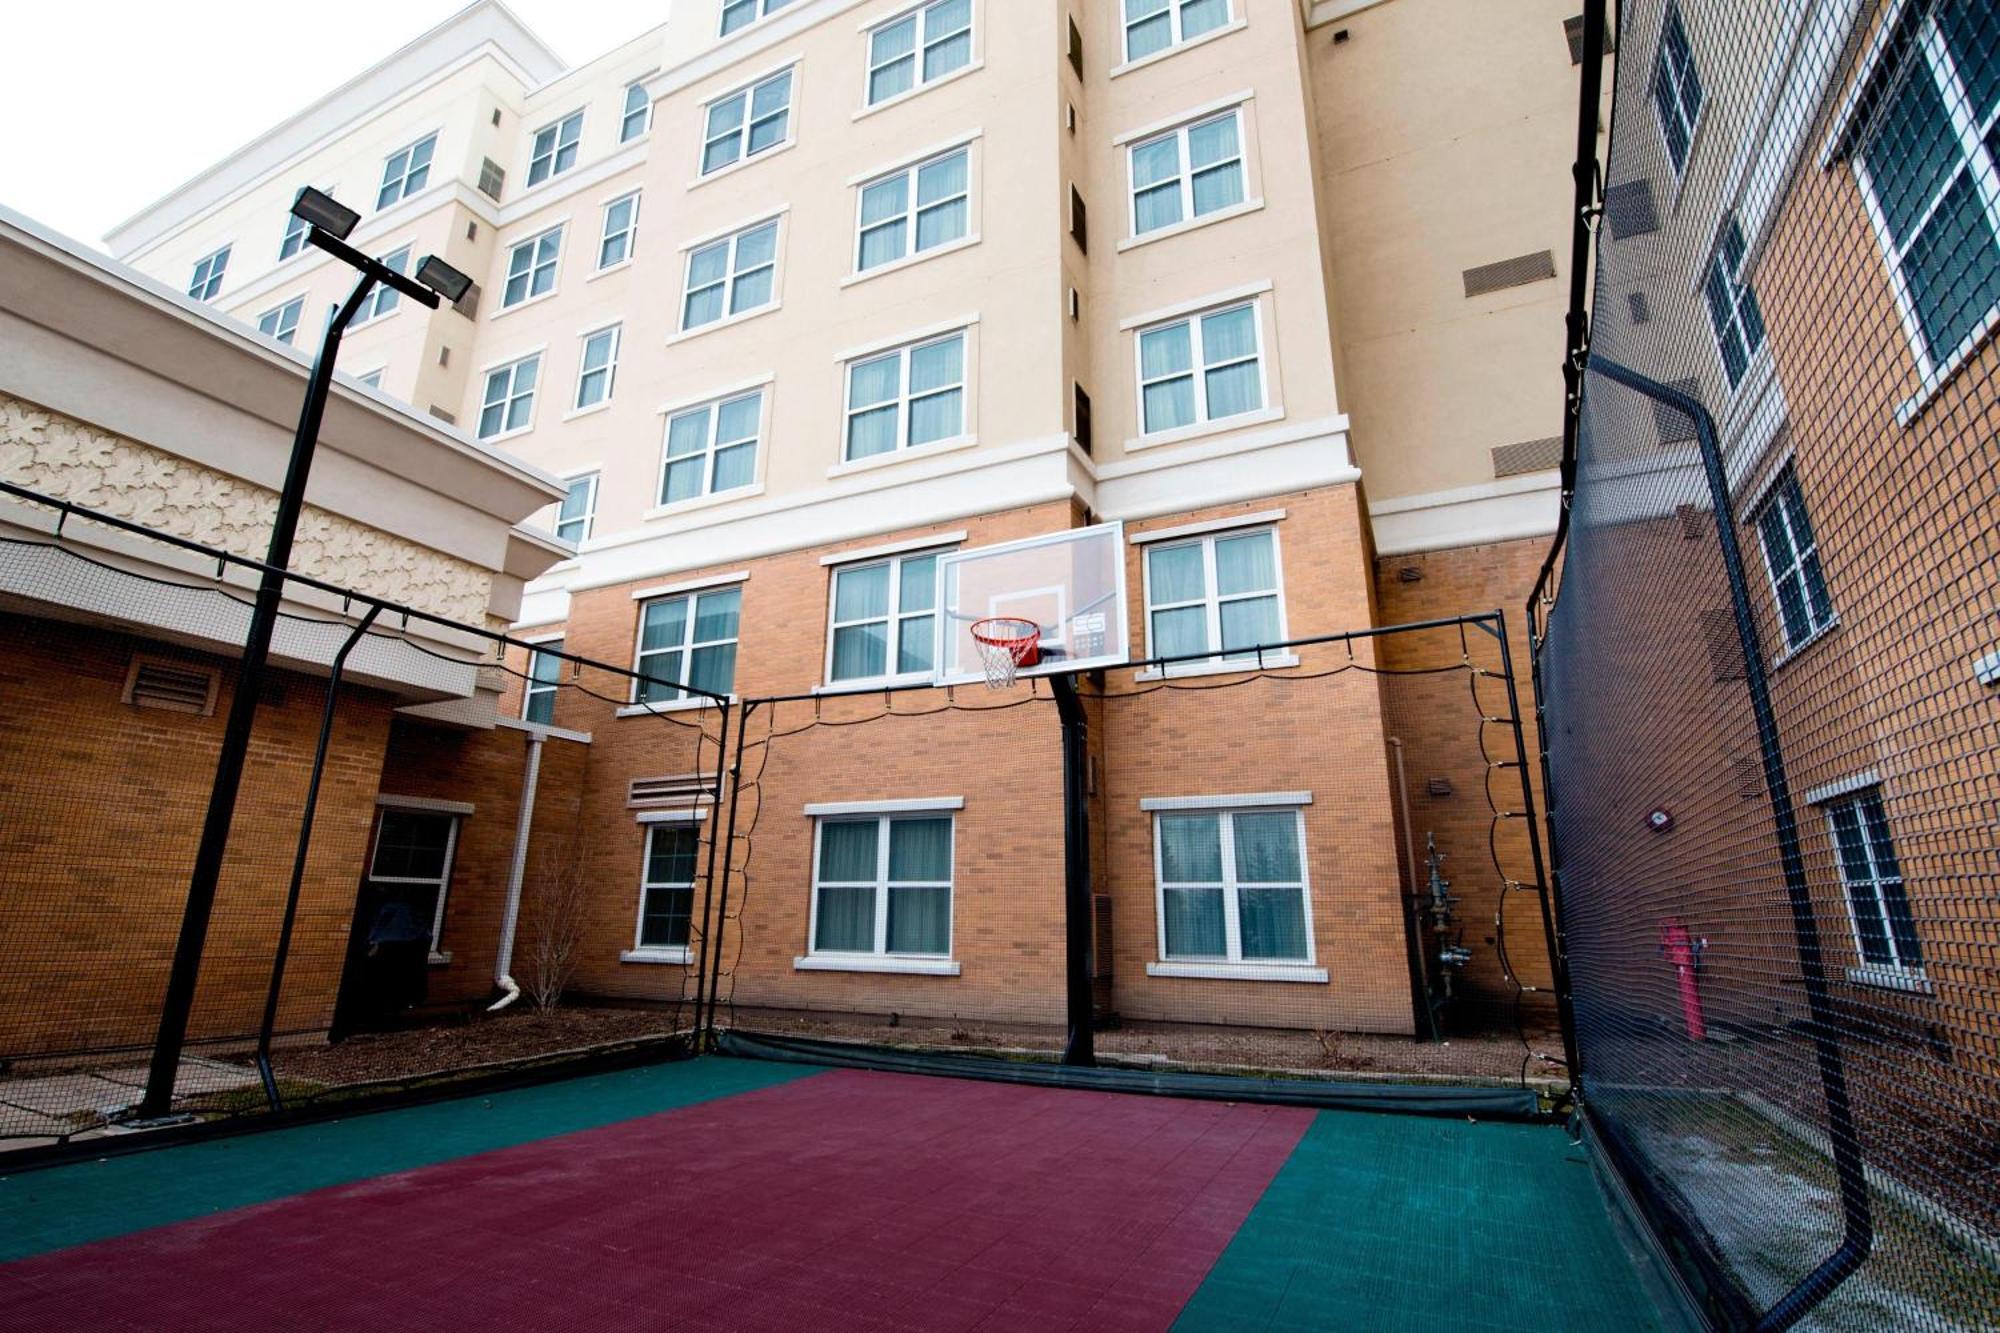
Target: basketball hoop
1005,646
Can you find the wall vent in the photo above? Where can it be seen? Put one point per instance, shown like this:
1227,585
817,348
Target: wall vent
1725,653
1629,209
1516,272
1693,529
448,418
468,304
1075,304
1101,938
151,683
1514,460
1635,305
492,179
682,789
1573,34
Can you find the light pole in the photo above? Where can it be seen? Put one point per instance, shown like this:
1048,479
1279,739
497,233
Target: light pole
329,222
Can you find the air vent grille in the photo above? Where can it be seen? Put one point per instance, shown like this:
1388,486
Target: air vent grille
1514,460
179,689
1516,272
673,789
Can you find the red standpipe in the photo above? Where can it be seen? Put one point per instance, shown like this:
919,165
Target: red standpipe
1683,952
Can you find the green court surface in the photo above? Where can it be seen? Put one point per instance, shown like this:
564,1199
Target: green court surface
1381,1221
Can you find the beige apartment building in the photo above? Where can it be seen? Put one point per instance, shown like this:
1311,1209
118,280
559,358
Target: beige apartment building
795,295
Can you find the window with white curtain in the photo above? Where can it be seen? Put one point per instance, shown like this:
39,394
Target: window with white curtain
748,122
598,367
742,13
1232,886
1733,312
578,510
384,298
1221,595
882,886
621,230
666,886
555,148
544,681
1155,25
1878,905
883,622
531,267
1187,172
1791,558
283,322
712,448
406,170
508,404
294,239
689,639
919,47
730,277
1202,368
206,280
907,397
915,209
637,116
1677,91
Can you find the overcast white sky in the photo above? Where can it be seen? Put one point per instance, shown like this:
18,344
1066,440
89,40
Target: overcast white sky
109,105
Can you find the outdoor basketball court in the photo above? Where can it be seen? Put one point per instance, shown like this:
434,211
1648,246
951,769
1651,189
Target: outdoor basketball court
724,1193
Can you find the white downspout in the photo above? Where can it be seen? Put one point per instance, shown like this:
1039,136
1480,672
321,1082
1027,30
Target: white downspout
503,964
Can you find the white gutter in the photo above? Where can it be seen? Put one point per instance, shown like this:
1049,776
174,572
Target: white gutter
503,964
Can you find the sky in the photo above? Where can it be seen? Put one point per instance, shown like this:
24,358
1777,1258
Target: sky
111,105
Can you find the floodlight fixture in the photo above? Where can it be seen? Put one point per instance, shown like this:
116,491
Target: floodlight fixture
443,279
322,210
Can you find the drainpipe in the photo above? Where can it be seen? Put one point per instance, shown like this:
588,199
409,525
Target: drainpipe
503,964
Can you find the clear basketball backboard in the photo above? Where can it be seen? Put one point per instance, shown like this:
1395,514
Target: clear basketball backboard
1070,583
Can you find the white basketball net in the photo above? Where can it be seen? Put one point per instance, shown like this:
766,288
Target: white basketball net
1002,645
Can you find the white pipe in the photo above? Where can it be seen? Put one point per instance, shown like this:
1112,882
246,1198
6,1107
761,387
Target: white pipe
503,964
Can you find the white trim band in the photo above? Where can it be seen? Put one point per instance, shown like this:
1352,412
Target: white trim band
1284,798
903,807
1239,971
921,967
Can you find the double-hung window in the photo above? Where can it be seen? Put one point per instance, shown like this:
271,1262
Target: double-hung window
1732,305
712,448
882,886
1232,886
294,239
405,171
907,397
742,13
384,298
731,276
1676,88
747,122
206,280
1930,164
915,209
637,116
1187,172
1199,369
508,404
918,48
1885,931
621,230
1155,25
283,322
598,367
578,511
884,618
409,873
689,639
1220,595
1791,557
531,267
666,887
544,681
555,148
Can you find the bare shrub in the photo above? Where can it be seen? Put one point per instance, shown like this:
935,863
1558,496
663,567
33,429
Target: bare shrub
557,896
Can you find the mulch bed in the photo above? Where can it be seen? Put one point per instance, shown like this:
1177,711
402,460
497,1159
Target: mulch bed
485,1039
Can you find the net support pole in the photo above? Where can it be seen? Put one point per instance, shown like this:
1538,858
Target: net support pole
1859,1235
1079,1047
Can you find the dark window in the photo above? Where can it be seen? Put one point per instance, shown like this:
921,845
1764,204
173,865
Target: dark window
1884,928
1082,419
1079,223
1075,49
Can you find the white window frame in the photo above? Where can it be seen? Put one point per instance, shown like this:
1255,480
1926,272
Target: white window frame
533,686
759,10
920,15
1742,295
1786,481
894,617
1213,599
1688,122
564,135
205,281
686,647
1179,38
628,235
1934,364
1896,970
512,370
713,446
644,112
552,265
371,378
384,300
903,399
911,211
748,92
294,239
676,821
880,955
588,518
274,318
398,186
615,333
1200,369
443,882
732,276
1233,965
1186,172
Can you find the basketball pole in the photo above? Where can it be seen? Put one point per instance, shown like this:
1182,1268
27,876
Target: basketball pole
1079,1049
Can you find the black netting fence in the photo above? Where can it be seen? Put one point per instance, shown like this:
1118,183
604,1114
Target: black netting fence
1769,667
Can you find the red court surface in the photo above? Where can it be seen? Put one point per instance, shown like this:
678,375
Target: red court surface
844,1200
